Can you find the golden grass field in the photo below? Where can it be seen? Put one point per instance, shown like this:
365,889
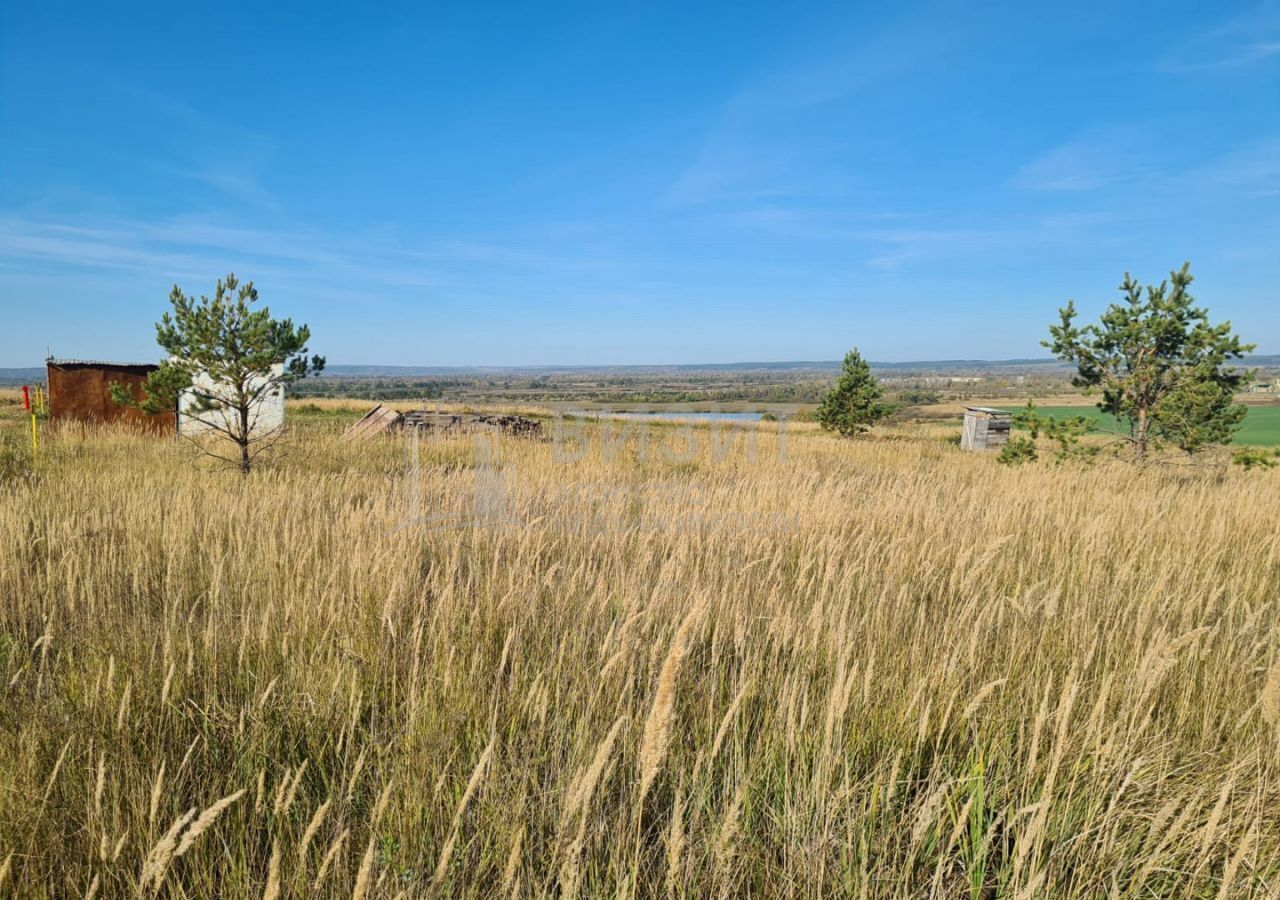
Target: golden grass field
822,668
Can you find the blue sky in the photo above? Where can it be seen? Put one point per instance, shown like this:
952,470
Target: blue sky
534,183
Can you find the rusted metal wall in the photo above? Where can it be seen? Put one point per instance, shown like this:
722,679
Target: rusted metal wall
81,392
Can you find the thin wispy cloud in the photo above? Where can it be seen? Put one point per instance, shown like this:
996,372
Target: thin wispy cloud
1252,170
945,244
890,241
1118,158
237,184
1099,159
192,249
768,140
1248,39
221,155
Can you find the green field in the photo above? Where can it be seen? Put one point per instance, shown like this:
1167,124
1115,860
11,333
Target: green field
1261,426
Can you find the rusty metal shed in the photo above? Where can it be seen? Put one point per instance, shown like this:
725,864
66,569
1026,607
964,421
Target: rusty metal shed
80,391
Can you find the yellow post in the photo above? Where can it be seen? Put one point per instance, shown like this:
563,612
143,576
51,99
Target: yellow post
34,445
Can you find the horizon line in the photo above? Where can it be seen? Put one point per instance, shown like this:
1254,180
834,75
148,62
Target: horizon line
738,365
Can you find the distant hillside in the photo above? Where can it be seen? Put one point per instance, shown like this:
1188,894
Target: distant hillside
936,365
34,374
21,376
358,371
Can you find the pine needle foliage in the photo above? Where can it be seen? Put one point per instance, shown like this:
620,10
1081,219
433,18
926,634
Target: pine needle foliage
856,402
1161,367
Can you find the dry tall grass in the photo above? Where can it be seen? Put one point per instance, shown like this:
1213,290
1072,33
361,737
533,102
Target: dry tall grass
877,668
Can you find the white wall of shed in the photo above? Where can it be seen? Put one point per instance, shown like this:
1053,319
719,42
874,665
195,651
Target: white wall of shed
266,416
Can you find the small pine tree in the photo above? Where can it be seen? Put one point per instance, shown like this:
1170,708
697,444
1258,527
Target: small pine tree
1249,458
1066,433
855,403
1018,450
1160,365
237,349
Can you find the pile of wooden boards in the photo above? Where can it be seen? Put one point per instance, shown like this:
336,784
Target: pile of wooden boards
506,423
384,420
379,420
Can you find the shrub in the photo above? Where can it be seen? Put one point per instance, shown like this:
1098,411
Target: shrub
918,397
1249,458
1017,451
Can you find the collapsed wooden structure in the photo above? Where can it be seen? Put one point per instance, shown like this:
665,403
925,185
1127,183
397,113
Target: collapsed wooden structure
985,428
385,420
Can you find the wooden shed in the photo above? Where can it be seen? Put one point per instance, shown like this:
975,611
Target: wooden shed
985,428
80,391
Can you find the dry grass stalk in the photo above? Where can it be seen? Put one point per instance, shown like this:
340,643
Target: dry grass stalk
578,804
1227,886
1269,701
365,871
272,890
153,808
157,861
983,693
657,726
675,844
511,871
309,834
205,822
330,855
727,721
473,784
53,775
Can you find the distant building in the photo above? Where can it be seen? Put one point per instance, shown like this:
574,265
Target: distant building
266,415
985,428
80,391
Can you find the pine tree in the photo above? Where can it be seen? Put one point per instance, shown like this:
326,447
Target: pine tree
1160,366
855,403
234,350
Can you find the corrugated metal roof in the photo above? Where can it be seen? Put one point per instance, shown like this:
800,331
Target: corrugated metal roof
95,362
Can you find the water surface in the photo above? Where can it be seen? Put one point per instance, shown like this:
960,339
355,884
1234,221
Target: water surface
685,415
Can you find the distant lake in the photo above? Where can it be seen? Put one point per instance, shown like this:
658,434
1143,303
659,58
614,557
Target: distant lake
690,416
